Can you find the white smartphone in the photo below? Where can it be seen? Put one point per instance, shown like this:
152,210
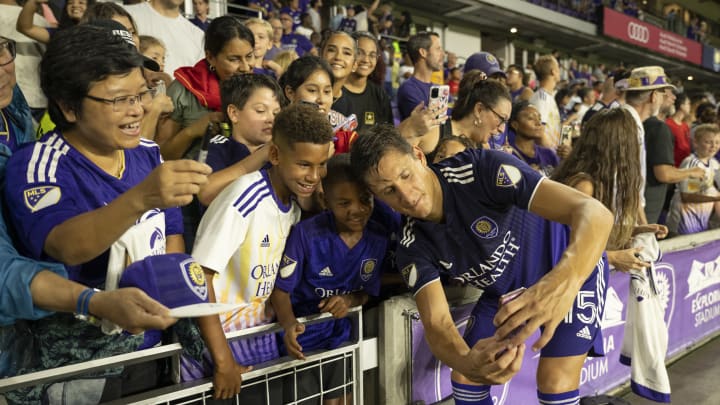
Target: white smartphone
439,97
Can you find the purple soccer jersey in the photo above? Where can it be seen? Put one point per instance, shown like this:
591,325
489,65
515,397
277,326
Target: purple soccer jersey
488,239
59,183
224,152
317,264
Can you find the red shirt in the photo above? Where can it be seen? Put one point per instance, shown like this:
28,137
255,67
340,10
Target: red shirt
681,132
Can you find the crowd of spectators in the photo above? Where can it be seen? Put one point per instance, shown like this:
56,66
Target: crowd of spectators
212,138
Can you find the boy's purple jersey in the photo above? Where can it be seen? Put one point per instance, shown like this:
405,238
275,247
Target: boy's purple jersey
488,239
317,264
224,152
53,182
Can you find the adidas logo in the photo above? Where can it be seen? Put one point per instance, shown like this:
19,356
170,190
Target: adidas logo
326,272
584,333
265,242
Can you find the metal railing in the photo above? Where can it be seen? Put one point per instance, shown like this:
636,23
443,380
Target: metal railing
196,392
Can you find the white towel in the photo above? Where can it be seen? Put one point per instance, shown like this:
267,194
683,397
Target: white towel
645,342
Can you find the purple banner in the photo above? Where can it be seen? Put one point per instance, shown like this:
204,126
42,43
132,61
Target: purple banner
689,282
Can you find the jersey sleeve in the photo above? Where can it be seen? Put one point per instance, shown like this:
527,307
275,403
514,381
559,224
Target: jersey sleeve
217,153
221,231
40,199
293,261
500,178
414,260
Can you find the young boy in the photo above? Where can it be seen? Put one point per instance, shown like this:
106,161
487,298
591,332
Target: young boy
695,200
332,262
250,103
242,236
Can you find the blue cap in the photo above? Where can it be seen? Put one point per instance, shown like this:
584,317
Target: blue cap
174,279
485,62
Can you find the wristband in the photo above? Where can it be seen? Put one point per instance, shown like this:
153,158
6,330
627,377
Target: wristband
82,308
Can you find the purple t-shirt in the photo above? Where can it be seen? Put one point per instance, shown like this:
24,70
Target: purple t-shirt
224,152
411,93
295,14
297,43
59,183
544,161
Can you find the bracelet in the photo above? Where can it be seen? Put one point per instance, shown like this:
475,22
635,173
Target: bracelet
82,307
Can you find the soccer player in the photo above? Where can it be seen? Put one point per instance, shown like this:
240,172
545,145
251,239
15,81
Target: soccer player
250,102
332,262
242,235
695,200
467,218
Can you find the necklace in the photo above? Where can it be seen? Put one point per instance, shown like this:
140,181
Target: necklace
120,165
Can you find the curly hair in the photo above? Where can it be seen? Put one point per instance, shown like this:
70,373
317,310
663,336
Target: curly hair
607,153
301,123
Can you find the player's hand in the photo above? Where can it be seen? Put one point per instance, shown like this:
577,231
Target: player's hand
544,304
492,361
627,259
227,380
337,305
131,309
172,184
563,151
291,344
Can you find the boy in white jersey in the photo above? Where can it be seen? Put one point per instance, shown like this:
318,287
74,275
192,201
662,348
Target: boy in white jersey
242,235
695,200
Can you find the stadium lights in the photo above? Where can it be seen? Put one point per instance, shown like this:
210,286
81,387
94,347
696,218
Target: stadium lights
690,78
513,30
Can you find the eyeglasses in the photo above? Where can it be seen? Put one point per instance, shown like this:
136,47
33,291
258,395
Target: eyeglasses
122,104
7,51
362,55
503,120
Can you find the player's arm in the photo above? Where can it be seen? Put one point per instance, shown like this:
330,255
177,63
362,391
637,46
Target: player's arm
698,198
227,376
548,301
85,236
670,174
484,363
286,318
217,181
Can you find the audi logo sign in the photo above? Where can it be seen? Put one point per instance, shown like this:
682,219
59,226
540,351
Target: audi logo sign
638,32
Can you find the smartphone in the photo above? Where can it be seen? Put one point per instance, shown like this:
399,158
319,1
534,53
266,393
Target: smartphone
566,135
439,97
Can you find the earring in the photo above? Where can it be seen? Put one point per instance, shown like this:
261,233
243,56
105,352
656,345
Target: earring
477,122
212,68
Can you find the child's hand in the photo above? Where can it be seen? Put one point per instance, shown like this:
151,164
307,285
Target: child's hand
291,344
337,305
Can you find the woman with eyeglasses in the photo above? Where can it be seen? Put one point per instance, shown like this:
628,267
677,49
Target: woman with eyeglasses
92,195
482,109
